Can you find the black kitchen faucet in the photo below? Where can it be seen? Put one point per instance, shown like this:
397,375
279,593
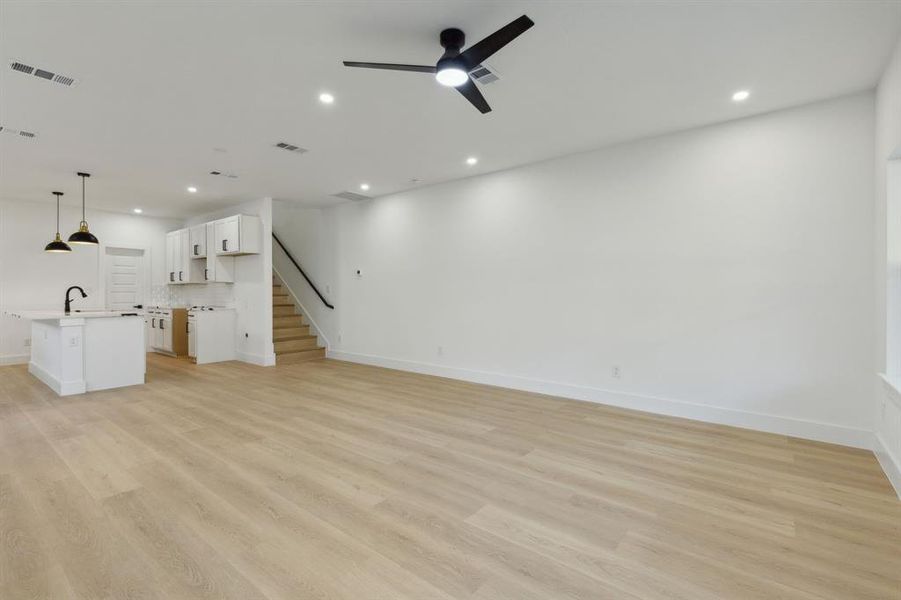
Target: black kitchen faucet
68,301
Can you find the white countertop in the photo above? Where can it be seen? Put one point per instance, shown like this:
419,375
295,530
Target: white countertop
53,315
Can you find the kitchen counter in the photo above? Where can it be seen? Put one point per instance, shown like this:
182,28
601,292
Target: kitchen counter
86,351
43,315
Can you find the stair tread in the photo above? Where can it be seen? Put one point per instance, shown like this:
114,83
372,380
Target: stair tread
301,351
296,324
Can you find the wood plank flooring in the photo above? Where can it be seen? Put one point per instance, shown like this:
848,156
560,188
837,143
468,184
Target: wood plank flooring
330,480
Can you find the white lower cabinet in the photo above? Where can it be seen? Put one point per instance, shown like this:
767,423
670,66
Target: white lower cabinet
168,330
161,330
211,335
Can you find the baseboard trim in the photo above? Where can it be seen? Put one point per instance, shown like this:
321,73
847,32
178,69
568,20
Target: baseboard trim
62,388
891,391
14,359
256,359
888,463
811,430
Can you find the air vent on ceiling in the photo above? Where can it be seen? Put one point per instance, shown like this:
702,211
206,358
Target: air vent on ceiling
355,197
17,66
17,132
484,74
42,73
290,147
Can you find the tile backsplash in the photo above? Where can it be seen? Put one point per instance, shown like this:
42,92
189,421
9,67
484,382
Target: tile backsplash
211,294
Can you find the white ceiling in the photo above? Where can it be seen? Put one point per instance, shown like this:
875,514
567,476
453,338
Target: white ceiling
163,85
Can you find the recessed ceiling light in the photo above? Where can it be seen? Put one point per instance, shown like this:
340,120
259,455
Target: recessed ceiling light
326,98
364,186
192,189
471,160
137,211
741,95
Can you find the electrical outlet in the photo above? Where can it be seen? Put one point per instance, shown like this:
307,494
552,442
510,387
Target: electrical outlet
73,342
615,372
27,342
339,338
440,350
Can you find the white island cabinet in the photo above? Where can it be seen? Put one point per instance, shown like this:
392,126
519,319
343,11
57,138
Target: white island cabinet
86,351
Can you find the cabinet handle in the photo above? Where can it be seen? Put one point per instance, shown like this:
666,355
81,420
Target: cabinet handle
225,245
196,249
153,323
161,324
171,275
179,275
206,275
187,327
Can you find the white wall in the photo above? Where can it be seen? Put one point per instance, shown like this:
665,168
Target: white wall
32,278
252,289
888,144
727,271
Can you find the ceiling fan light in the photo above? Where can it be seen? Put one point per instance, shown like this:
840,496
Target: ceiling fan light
452,77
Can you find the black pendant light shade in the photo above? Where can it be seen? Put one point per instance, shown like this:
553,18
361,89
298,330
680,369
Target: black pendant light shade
83,235
57,245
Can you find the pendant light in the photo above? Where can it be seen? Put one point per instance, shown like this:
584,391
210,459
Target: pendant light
83,236
57,245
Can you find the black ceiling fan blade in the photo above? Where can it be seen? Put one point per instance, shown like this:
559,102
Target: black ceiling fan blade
390,66
478,52
472,93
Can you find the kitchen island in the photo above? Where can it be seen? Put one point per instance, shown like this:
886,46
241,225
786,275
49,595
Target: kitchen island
86,351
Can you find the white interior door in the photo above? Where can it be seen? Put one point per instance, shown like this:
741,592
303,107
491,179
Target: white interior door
124,269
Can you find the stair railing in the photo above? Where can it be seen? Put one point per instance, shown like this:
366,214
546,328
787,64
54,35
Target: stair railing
300,269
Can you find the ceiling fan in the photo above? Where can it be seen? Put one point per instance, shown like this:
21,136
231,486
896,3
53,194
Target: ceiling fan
454,66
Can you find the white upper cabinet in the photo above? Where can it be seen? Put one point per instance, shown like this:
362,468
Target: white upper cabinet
239,234
197,239
173,256
180,268
218,268
217,242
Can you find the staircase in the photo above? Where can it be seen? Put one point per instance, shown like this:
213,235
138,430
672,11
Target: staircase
290,334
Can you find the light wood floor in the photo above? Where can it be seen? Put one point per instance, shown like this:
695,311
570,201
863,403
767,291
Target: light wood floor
333,480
